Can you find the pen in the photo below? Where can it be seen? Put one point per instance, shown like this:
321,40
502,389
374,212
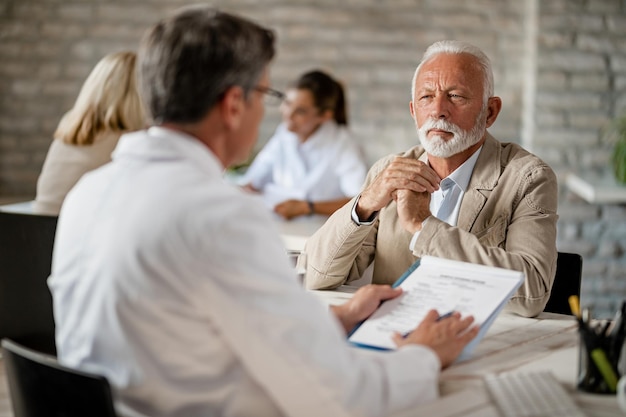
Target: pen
574,305
618,320
605,368
586,316
441,317
604,331
445,316
618,332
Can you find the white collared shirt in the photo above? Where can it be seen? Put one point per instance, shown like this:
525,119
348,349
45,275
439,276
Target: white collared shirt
176,286
327,166
458,182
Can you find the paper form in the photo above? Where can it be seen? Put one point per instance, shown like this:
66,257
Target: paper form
445,286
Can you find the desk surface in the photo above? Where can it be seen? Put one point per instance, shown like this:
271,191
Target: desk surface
21,207
513,343
295,232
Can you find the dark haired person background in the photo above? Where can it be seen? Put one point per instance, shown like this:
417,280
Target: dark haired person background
311,165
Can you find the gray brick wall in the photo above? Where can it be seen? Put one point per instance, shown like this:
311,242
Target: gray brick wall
580,86
560,68
48,47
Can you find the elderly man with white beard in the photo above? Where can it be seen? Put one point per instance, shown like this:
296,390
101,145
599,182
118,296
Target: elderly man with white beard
461,195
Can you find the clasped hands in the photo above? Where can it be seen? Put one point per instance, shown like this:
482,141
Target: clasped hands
407,181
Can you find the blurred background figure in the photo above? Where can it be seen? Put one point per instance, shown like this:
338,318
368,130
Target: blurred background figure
311,165
107,106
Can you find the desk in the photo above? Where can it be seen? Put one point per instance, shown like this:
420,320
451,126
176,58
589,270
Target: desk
295,232
21,207
513,343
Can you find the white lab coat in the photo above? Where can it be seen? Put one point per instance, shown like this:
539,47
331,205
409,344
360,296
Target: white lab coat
329,165
176,287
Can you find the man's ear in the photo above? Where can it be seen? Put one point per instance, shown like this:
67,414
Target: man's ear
232,107
494,105
411,109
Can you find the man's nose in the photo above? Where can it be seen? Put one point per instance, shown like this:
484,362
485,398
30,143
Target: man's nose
440,107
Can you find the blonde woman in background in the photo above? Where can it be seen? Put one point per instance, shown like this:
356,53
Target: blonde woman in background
107,106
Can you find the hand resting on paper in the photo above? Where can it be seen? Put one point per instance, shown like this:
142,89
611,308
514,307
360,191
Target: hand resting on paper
446,337
363,303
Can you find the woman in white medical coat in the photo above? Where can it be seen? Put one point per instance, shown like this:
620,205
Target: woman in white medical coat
311,165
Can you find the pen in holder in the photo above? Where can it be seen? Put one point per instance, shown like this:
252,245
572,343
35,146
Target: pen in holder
599,353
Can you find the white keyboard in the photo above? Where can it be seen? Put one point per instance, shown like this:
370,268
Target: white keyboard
536,394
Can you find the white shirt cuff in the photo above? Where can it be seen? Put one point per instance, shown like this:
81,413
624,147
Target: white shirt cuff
355,217
413,240
416,235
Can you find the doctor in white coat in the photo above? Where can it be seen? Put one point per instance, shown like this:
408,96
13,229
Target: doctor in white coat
311,165
174,284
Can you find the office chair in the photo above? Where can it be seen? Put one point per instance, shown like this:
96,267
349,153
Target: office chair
40,386
26,242
569,268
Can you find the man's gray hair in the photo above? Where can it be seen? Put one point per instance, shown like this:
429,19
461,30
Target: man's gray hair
186,62
459,47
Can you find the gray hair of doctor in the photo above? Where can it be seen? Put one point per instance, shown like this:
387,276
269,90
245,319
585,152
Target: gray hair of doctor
459,47
187,61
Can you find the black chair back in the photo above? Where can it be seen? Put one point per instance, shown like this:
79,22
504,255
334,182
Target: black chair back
26,242
40,386
569,270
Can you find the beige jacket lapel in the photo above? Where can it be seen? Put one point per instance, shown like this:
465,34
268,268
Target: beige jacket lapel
483,181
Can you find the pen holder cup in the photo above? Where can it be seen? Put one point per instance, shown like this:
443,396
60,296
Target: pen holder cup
599,367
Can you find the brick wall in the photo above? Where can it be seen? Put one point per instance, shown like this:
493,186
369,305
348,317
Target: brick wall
48,47
560,68
581,85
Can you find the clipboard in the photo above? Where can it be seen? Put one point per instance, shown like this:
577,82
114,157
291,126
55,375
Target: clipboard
444,285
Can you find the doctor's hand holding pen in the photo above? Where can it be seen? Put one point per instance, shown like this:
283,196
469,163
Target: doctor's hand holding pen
446,335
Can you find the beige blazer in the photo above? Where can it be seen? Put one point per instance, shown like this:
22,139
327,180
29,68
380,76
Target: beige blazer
507,219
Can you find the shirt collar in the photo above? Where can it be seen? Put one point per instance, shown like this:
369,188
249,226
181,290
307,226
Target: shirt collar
461,176
323,132
160,143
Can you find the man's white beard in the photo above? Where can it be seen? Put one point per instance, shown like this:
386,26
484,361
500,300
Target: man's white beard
460,141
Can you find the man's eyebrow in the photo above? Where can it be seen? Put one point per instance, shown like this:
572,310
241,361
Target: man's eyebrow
431,87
